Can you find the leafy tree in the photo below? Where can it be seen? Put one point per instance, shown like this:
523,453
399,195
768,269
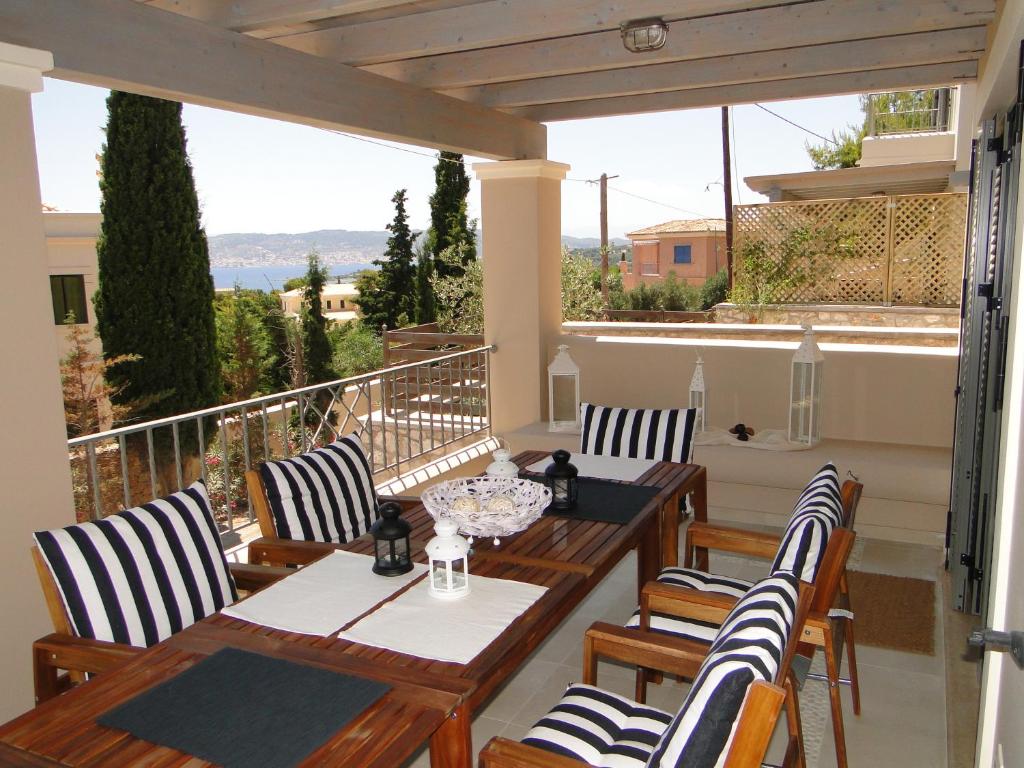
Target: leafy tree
425,310
448,223
678,295
357,349
389,298
715,289
247,353
460,297
292,283
581,298
316,349
842,152
372,301
154,306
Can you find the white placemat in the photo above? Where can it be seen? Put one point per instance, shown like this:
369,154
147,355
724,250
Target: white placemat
604,467
446,630
323,597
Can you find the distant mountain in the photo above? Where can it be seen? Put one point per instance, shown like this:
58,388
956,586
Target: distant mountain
336,247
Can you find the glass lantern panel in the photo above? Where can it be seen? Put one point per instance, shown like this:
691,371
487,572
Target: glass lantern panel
401,550
560,490
816,403
382,551
800,402
563,397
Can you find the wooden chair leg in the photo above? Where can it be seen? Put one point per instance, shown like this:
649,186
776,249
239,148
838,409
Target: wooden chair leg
832,670
795,757
851,658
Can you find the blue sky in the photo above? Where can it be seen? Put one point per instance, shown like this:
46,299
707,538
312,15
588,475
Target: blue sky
260,175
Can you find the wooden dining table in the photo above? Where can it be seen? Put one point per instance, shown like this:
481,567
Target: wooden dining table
430,700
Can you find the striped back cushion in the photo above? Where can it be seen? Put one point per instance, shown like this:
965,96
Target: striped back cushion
748,647
818,510
324,495
637,433
141,575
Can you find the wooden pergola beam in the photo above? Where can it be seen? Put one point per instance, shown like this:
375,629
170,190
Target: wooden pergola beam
831,58
493,23
773,28
775,90
251,15
121,44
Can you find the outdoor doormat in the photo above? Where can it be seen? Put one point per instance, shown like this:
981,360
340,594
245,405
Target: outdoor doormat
893,612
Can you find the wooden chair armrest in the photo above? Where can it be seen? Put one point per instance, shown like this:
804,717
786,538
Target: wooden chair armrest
405,502
727,539
272,551
640,648
684,602
254,577
504,753
77,655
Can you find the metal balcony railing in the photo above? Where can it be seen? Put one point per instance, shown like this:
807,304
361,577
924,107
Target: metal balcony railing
405,415
894,112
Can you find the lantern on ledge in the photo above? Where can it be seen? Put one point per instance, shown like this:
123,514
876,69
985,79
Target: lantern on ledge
805,391
448,555
563,393
698,396
562,478
391,542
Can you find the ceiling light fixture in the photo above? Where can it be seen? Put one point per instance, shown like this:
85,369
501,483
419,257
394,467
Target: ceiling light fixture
644,35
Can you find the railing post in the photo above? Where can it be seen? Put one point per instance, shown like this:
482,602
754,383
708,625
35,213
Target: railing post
890,247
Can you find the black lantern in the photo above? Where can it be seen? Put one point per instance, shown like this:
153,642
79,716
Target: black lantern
391,542
561,479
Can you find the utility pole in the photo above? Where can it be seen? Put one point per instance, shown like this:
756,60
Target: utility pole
604,237
727,178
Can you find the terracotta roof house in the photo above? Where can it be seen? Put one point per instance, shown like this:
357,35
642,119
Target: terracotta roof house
694,249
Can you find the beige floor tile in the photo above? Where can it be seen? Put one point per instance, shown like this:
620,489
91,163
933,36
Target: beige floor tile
913,560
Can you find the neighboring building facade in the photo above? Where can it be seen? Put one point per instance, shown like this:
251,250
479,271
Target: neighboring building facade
74,271
338,299
694,249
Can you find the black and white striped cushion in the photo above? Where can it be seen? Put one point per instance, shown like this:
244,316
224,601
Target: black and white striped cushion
638,433
818,511
749,647
704,631
141,575
600,728
324,495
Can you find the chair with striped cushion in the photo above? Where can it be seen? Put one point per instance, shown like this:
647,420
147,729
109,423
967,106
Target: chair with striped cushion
638,433
728,715
130,580
815,545
324,495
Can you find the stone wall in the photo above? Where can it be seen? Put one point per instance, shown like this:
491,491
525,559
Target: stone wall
841,314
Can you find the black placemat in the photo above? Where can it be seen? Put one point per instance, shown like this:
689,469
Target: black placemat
607,501
242,709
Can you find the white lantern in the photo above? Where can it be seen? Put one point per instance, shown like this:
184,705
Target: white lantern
805,391
563,393
448,555
503,466
698,396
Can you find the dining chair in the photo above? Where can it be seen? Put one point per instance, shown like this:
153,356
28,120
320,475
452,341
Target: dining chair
323,495
638,433
740,685
123,583
815,544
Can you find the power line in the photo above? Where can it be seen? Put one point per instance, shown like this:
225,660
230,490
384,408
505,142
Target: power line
659,202
796,125
735,159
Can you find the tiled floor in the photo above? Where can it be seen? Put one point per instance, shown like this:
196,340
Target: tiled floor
903,714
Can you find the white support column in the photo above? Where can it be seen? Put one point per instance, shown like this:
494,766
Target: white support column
35,479
521,220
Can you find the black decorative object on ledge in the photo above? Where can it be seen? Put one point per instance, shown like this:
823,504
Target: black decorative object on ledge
561,478
391,542
742,432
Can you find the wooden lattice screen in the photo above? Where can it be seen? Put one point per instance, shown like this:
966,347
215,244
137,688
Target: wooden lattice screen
903,249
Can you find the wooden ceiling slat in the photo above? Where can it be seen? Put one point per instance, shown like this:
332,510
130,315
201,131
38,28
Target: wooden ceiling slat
495,23
775,90
248,15
789,26
831,58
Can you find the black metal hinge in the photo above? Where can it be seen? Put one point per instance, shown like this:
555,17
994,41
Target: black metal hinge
995,144
974,574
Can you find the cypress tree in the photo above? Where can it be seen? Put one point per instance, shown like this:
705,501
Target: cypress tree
448,224
316,347
390,297
426,311
155,300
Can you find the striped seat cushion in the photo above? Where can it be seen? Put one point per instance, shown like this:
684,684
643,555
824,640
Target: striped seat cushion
818,511
600,728
141,575
704,631
638,433
324,495
749,647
